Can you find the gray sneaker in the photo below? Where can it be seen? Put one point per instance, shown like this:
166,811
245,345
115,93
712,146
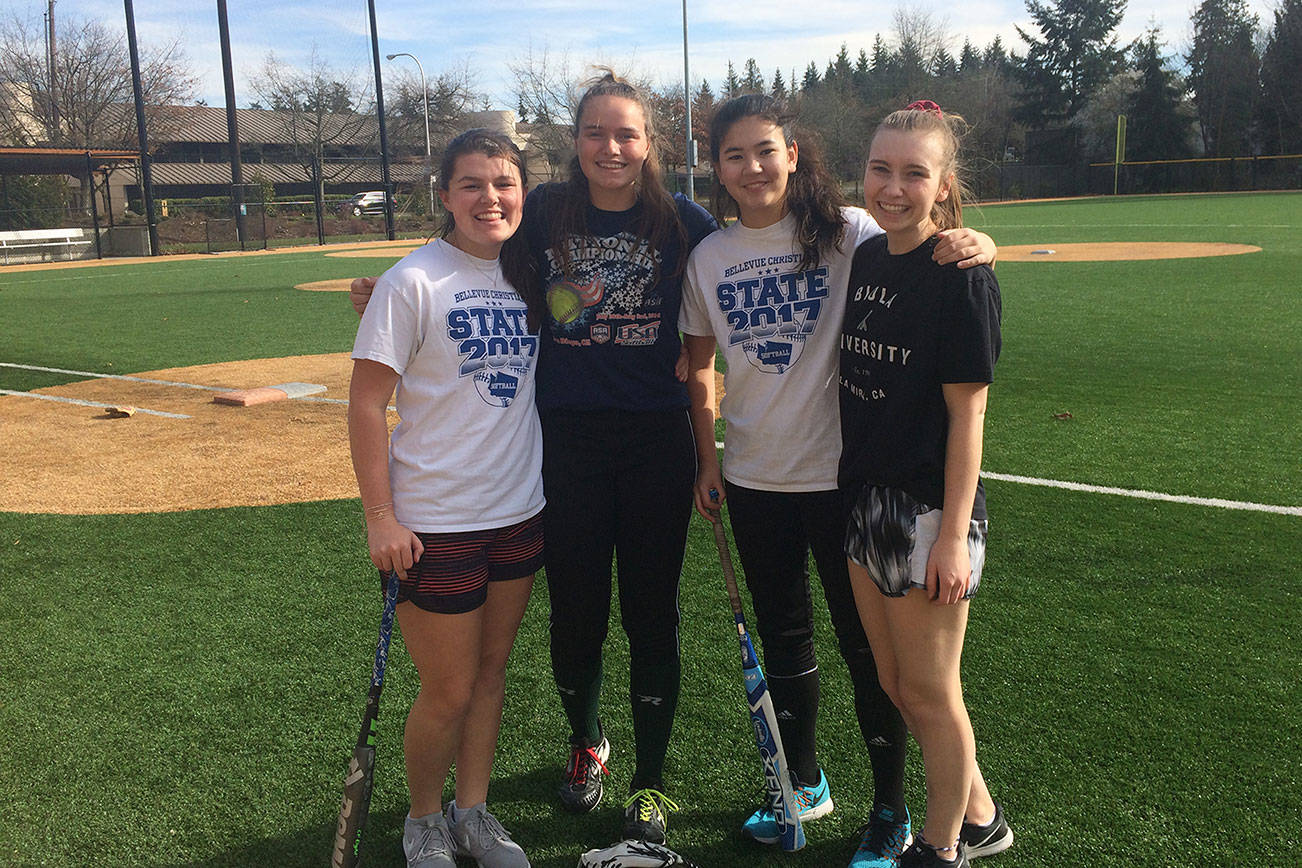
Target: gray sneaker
477,833
428,843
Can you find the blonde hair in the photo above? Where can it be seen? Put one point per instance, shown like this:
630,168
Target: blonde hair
926,118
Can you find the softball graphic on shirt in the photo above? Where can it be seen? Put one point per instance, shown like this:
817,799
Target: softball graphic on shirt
772,313
494,342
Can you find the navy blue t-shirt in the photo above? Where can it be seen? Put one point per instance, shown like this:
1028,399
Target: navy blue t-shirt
610,340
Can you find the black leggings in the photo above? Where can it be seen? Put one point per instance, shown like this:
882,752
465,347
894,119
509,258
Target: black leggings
619,487
775,531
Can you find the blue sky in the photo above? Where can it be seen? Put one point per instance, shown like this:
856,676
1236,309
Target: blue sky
486,36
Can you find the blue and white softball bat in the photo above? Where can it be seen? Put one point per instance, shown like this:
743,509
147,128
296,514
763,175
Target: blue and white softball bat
763,719
360,776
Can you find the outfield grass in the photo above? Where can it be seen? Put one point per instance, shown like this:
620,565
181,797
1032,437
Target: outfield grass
184,688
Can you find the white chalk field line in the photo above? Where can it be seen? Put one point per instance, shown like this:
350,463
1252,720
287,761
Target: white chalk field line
116,377
1138,493
81,403
317,400
1141,494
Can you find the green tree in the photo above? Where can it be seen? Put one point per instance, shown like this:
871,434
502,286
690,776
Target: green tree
1281,99
752,80
779,88
863,71
811,79
995,56
840,69
1075,53
34,202
702,113
731,83
1223,71
1158,122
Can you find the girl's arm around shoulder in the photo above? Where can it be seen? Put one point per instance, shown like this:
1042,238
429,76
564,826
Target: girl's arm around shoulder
965,248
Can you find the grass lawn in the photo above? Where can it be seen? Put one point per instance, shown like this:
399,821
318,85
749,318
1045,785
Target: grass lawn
184,688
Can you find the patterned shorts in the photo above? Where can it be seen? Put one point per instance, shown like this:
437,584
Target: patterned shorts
452,575
890,535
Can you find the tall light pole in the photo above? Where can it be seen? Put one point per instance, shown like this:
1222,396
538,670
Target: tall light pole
424,94
687,101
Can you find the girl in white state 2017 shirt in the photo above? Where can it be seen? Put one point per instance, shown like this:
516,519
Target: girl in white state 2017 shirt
453,500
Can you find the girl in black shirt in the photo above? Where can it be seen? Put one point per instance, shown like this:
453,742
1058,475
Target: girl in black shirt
918,349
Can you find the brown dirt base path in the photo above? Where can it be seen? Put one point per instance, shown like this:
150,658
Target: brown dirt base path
74,459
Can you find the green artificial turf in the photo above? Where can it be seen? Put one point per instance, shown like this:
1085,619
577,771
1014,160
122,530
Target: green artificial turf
139,317
185,688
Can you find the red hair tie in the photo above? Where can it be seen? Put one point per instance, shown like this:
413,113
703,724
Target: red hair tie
924,105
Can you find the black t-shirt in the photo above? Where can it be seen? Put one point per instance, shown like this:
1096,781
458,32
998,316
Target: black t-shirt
910,326
610,340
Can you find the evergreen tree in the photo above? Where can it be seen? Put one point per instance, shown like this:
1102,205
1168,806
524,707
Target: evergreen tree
995,57
863,71
702,112
811,79
731,84
881,56
1157,124
969,59
1281,99
779,88
887,80
1223,71
843,68
1075,53
943,65
753,80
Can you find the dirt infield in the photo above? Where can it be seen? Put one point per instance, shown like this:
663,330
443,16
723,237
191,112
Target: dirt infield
75,459
71,458
1115,251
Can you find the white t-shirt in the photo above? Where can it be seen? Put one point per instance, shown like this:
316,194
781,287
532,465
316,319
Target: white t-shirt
778,328
467,454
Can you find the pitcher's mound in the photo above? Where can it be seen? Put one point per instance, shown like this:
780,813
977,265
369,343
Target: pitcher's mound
339,285
1109,251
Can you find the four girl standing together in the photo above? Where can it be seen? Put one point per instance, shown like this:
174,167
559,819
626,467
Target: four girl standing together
601,263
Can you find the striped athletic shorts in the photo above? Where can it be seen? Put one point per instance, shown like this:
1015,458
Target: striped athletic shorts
890,535
452,575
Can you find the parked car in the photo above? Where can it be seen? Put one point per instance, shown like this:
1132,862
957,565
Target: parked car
370,202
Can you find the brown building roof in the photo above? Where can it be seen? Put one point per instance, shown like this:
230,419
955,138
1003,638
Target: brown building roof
257,126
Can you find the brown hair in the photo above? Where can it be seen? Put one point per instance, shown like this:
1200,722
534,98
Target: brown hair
813,197
658,219
926,118
517,264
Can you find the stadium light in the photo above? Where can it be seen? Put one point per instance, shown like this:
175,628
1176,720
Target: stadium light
687,102
424,93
